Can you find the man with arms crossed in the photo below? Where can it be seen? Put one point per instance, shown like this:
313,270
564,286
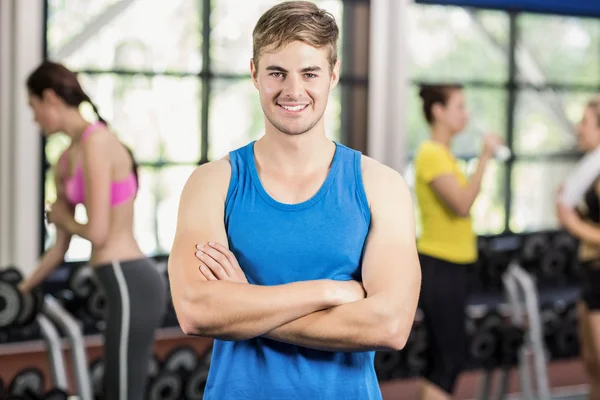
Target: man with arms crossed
295,253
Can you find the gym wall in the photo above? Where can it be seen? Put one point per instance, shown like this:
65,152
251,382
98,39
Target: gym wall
21,41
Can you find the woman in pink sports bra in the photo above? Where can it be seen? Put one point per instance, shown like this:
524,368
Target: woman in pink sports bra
98,171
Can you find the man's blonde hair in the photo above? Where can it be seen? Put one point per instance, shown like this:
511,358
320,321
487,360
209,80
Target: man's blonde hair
295,21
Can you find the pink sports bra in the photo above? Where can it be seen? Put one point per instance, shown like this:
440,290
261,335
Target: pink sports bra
121,191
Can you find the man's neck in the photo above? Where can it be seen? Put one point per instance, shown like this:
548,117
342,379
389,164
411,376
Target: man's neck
294,154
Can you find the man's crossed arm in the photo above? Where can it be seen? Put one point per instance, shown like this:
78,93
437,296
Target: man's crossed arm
217,301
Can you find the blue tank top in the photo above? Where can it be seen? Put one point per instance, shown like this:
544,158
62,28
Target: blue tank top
277,243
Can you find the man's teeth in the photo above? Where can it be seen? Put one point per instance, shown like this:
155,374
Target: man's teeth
295,108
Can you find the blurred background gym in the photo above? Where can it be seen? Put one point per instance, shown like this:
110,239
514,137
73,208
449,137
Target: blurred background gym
169,75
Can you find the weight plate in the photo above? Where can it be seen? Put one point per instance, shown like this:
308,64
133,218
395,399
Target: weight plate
96,304
11,275
10,304
182,358
153,367
194,388
82,281
56,394
97,376
166,386
28,381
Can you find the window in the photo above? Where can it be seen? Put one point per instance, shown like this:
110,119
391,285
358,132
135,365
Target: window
455,45
167,77
534,103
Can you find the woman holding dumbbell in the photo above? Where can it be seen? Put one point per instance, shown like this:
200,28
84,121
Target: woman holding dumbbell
98,171
583,222
447,246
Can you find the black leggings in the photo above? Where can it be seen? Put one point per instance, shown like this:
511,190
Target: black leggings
443,301
136,301
590,290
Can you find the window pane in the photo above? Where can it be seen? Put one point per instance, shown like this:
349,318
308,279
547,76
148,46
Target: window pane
232,24
558,49
227,133
156,207
487,113
66,18
544,120
138,35
534,186
488,211
452,43
55,146
159,117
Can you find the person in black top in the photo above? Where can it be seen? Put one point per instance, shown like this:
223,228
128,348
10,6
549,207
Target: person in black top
583,222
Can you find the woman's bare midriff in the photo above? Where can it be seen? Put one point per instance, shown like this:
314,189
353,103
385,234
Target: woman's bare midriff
120,244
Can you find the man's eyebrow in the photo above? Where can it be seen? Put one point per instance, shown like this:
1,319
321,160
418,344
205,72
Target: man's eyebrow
311,69
276,68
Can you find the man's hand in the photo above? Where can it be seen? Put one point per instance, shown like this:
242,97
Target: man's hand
217,263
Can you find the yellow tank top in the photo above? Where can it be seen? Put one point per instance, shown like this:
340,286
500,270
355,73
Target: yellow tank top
444,234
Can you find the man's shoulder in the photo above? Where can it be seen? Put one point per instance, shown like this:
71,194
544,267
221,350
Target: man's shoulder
212,176
373,170
381,180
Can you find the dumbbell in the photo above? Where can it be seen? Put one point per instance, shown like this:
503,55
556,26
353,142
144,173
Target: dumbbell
550,320
170,381
17,309
553,265
416,350
165,386
385,364
534,247
182,360
88,294
97,377
196,382
55,394
494,268
28,383
567,245
485,341
567,340
512,340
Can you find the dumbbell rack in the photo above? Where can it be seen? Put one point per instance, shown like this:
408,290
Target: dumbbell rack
521,292
53,312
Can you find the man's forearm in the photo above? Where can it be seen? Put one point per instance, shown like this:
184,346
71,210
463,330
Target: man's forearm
364,325
239,311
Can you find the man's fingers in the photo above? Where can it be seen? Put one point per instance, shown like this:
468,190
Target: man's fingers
217,269
226,252
204,270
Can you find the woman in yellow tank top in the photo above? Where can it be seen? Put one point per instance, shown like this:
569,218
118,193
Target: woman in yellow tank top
447,245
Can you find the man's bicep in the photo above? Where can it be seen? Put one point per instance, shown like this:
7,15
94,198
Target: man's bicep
391,261
200,219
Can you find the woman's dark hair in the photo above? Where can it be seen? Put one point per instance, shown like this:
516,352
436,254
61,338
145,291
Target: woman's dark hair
64,82
432,94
